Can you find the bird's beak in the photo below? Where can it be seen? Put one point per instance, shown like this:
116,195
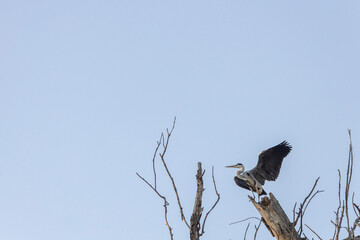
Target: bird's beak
232,166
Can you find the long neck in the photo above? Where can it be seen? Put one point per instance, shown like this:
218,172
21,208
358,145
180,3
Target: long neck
241,170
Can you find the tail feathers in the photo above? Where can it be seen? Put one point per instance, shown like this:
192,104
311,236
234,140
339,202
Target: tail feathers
263,192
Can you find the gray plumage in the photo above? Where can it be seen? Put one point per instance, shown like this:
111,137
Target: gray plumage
269,163
267,168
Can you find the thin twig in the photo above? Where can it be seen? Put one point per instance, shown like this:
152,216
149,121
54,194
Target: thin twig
165,205
153,160
341,219
246,231
294,212
173,183
149,185
257,229
355,207
313,232
217,200
318,191
305,236
303,207
358,208
338,223
293,220
301,212
154,188
348,181
162,155
344,204
338,218
245,220
356,224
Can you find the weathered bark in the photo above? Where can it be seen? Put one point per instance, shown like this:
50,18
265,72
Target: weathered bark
197,211
354,238
275,218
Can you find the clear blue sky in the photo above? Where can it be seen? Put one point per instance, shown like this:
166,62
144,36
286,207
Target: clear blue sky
86,87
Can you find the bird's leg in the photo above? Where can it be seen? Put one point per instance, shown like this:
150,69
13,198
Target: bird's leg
252,192
248,183
255,190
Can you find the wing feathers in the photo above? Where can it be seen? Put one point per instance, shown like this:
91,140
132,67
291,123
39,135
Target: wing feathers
269,163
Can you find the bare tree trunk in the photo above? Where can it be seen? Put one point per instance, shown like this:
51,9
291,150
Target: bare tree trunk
197,211
275,218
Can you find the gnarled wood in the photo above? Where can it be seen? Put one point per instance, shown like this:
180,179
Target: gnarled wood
198,209
275,218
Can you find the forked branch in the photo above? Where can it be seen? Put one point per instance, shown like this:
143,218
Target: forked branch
165,205
216,202
195,225
162,157
343,207
303,206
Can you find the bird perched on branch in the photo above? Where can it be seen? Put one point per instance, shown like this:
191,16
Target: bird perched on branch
267,168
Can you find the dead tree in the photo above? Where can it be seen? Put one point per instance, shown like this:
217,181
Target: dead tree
279,225
196,226
277,222
275,218
272,214
343,207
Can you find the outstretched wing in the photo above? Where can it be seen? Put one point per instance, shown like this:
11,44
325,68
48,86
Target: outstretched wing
269,163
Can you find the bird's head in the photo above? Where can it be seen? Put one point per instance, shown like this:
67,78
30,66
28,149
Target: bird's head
238,165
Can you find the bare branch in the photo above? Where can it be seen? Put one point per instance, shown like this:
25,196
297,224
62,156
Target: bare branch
357,212
294,212
195,225
216,202
246,231
301,212
303,207
348,181
245,220
197,211
149,185
305,237
339,193
313,232
318,191
293,220
356,224
355,207
154,188
338,218
358,208
344,205
165,205
154,157
162,156
257,229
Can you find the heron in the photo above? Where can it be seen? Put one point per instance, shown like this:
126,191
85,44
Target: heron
267,168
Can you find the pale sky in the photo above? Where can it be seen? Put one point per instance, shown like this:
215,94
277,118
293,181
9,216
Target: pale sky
86,87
